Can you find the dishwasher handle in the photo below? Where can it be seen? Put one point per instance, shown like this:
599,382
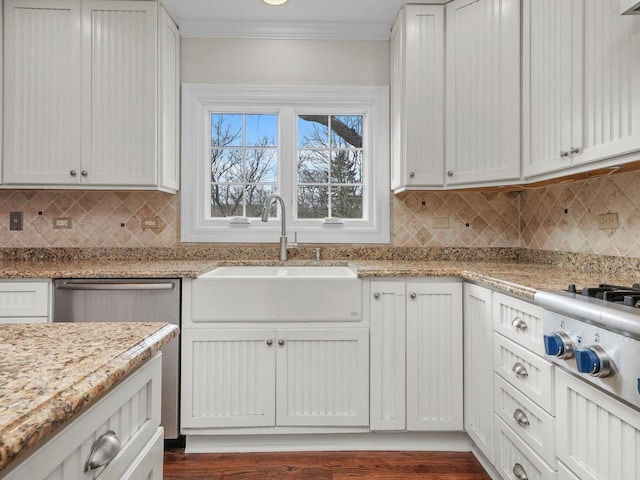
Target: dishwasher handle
115,286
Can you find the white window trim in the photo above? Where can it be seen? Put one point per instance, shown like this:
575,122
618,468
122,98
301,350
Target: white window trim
200,99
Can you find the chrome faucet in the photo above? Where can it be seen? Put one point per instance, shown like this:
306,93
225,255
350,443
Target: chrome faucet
266,206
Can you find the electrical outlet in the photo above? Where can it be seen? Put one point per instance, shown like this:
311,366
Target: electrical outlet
440,222
608,221
15,220
61,222
149,223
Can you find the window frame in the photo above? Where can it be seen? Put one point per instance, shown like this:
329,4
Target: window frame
199,100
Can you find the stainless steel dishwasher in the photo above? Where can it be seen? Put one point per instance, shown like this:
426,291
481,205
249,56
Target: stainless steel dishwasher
129,300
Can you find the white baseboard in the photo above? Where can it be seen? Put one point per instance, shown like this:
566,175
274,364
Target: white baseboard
405,441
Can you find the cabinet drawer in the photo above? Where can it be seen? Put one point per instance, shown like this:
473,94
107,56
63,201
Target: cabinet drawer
24,299
526,419
519,321
131,411
590,422
514,457
529,373
565,474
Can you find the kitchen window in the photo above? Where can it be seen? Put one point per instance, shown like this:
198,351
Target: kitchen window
325,150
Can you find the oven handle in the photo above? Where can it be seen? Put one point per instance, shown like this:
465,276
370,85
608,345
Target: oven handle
115,286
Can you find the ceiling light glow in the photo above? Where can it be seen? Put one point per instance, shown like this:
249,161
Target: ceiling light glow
275,2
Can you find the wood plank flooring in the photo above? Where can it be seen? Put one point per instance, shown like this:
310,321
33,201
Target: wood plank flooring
323,466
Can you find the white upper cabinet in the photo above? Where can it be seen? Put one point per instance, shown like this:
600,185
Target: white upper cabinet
417,98
42,85
483,91
92,89
581,65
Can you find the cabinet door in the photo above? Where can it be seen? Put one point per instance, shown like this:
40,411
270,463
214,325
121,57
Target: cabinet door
388,326
591,422
322,377
434,355
228,378
169,154
42,91
483,91
552,83
418,96
478,368
119,84
611,123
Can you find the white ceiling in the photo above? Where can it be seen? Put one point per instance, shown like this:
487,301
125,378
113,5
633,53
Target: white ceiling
324,19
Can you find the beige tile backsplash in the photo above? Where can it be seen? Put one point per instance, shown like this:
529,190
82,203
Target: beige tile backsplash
533,219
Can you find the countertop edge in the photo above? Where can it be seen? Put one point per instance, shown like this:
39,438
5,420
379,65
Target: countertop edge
49,418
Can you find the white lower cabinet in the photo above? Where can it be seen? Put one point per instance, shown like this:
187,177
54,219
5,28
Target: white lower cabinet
267,377
25,301
524,393
516,460
131,411
598,437
430,354
478,368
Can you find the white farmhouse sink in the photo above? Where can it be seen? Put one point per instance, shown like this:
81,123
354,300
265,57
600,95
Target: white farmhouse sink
277,294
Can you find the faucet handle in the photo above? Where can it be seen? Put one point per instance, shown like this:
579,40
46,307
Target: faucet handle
294,244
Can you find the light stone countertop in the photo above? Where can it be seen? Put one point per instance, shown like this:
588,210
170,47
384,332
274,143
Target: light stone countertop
521,279
51,372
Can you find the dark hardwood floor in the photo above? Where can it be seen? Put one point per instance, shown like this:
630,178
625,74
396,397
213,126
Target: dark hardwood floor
323,466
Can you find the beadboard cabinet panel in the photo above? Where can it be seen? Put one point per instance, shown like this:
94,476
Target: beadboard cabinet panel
417,107
590,422
483,91
388,353
119,92
434,360
228,378
42,82
478,367
322,377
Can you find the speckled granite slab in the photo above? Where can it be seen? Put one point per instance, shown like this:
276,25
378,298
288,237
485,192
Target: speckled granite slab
50,372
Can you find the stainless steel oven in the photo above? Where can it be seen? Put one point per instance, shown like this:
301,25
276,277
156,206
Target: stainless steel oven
129,300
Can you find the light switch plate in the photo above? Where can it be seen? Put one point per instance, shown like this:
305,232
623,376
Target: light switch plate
441,222
61,222
15,220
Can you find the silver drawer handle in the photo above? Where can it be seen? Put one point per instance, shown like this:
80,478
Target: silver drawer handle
519,472
103,450
413,295
520,370
376,295
114,286
521,417
519,324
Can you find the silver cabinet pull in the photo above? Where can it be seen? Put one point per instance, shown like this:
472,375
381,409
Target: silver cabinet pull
270,342
450,173
73,173
574,150
103,450
520,370
413,295
412,174
564,154
84,173
519,324
281,342
521,417
376,295
519,472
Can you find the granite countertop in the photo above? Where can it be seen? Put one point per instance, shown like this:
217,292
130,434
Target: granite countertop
51,372
522,279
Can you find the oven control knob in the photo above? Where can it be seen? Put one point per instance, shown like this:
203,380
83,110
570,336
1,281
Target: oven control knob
594,361
558,344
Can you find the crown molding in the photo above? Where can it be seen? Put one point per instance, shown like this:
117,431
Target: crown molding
286,30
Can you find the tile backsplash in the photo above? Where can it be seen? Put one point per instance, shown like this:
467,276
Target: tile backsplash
98,218
533,219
